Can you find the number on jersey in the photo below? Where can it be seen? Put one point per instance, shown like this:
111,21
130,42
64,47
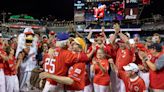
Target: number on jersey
49,65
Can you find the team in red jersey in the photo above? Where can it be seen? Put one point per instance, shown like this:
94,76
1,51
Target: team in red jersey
100,69
67,58
72,63
2,75
12,83
77,73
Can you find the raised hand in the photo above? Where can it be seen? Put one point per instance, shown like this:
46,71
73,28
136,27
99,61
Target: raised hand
117,28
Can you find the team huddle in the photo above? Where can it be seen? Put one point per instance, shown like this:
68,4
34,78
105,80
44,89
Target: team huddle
70,62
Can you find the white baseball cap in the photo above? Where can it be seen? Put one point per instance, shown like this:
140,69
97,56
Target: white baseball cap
131,41
131,67
28,31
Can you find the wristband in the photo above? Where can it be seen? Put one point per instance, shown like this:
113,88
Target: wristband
145,59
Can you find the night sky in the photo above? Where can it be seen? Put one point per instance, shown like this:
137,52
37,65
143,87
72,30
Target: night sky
156,7
61,9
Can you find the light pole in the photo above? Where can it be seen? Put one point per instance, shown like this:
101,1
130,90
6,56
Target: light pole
4,15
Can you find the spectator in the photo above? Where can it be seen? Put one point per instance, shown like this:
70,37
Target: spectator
156,66
157,38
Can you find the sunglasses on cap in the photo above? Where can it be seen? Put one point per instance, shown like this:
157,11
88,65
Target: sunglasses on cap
28,41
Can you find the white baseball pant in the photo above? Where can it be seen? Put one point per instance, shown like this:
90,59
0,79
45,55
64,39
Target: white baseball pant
88,88
12,83
53,88
2,81
100,88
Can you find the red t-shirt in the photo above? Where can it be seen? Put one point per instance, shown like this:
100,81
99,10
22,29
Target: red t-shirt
77,73
1,60
9,67
124,57
136,85
157,77
61,61
100,78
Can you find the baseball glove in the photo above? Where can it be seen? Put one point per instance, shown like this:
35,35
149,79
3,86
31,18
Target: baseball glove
35,81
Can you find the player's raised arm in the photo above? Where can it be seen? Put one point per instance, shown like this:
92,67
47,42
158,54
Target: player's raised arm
117,30
103,32
90,34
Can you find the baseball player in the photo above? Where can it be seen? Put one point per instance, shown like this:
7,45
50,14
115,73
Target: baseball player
100,68
12,83
2,76
57,67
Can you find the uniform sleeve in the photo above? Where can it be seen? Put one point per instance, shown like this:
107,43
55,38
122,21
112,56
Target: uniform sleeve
89,49
83,57
72,58
160,63
122,75
75,74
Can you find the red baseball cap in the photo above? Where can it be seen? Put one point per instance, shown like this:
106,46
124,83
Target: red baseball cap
99,35
52,32
120,41
141,47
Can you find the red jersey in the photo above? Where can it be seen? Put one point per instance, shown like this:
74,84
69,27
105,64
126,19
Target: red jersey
1,60
77,73
157,77
107,48
61,61
136,85
100,78
123,57
9,67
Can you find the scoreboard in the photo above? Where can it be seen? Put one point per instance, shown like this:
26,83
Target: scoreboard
131,9
84,10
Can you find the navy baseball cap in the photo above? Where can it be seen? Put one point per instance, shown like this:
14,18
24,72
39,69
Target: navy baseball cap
156,46
62,36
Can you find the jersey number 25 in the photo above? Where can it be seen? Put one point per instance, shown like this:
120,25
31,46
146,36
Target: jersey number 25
49,65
